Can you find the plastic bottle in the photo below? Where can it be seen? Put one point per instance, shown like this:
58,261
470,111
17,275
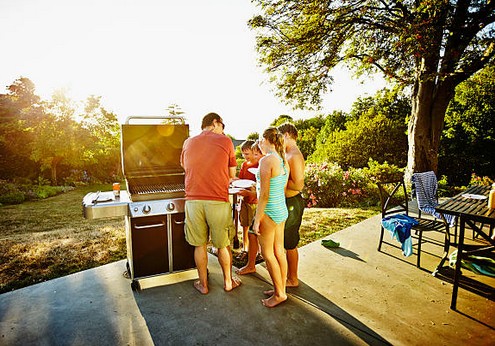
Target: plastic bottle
491,198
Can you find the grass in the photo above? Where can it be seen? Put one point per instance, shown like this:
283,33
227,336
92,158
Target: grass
321,222
46,239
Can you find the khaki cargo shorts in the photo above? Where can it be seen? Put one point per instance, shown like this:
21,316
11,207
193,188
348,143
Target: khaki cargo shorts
209,219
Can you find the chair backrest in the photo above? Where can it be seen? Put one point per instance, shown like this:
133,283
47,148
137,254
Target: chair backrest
393,197
426,185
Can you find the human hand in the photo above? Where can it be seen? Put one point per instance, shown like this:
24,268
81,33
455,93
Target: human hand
248,192
256,227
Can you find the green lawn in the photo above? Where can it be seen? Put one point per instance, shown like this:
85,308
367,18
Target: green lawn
46,239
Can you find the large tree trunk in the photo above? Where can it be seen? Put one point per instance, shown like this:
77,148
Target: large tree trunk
430,99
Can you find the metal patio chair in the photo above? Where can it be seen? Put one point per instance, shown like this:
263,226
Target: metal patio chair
394,200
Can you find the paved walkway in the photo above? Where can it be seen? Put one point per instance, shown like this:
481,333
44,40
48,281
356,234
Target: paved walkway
352,295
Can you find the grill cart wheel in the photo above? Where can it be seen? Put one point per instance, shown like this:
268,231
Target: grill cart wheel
135,285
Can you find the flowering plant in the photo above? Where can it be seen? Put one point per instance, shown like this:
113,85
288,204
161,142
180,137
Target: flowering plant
329,185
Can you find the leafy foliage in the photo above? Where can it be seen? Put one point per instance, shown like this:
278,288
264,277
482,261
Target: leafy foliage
375,129
299,42
430,46
468,142
52,136
329,185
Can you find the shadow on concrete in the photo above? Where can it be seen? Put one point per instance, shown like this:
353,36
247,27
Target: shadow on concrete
178,314
477,287
346,253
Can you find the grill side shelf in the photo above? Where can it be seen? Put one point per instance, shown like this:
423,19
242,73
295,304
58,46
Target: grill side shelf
97,205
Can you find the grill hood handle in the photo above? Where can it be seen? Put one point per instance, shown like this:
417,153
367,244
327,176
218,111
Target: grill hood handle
165,119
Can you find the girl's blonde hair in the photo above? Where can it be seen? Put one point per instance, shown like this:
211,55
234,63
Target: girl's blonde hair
273,135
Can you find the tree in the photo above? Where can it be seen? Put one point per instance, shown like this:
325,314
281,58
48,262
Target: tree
59,138
282,119
371,136
254,136
468,140
375,129
430,46
102,153
20,112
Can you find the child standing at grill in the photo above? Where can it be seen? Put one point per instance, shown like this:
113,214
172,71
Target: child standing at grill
249,201
253,252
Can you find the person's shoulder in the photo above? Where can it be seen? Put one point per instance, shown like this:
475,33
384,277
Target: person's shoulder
269,159
294,154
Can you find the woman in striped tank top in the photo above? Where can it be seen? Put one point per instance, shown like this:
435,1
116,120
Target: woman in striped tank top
272,212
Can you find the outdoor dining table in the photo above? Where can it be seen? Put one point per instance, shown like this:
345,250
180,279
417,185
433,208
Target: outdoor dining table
471,208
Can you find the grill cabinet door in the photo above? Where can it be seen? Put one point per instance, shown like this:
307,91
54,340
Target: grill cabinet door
149,245
183,253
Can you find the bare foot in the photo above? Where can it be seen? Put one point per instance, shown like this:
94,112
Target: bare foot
269,292
236,282
246,270
292,283
200,288
273,301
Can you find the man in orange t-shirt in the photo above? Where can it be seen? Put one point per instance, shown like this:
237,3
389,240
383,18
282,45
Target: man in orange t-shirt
209,163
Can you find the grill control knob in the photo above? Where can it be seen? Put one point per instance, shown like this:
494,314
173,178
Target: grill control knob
146,209
170,206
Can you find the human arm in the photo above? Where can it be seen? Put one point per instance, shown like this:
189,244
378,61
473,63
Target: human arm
251,192
232,171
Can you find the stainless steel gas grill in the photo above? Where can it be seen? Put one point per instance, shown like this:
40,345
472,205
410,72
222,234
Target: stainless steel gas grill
153,205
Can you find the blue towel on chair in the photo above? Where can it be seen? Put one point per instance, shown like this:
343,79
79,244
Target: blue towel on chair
426,195
399,226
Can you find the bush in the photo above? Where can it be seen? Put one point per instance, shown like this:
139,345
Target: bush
12,198
11,193
327,185
480,181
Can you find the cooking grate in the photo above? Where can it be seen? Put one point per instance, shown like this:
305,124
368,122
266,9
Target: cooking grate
156,188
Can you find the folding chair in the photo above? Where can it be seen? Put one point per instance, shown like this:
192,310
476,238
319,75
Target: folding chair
394,200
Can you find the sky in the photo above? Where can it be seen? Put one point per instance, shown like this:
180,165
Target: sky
142,56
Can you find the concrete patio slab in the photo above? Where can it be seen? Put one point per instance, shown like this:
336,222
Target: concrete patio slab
352,295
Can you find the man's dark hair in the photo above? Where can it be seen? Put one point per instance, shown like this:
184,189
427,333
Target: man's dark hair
208,120
288,128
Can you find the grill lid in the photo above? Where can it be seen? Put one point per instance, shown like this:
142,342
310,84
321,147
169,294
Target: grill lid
151,157
152,149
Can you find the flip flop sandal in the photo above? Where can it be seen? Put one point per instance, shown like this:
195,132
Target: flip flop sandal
329,243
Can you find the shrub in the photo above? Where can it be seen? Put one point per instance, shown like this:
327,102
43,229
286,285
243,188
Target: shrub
327,185
12,198
10,193
480,181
